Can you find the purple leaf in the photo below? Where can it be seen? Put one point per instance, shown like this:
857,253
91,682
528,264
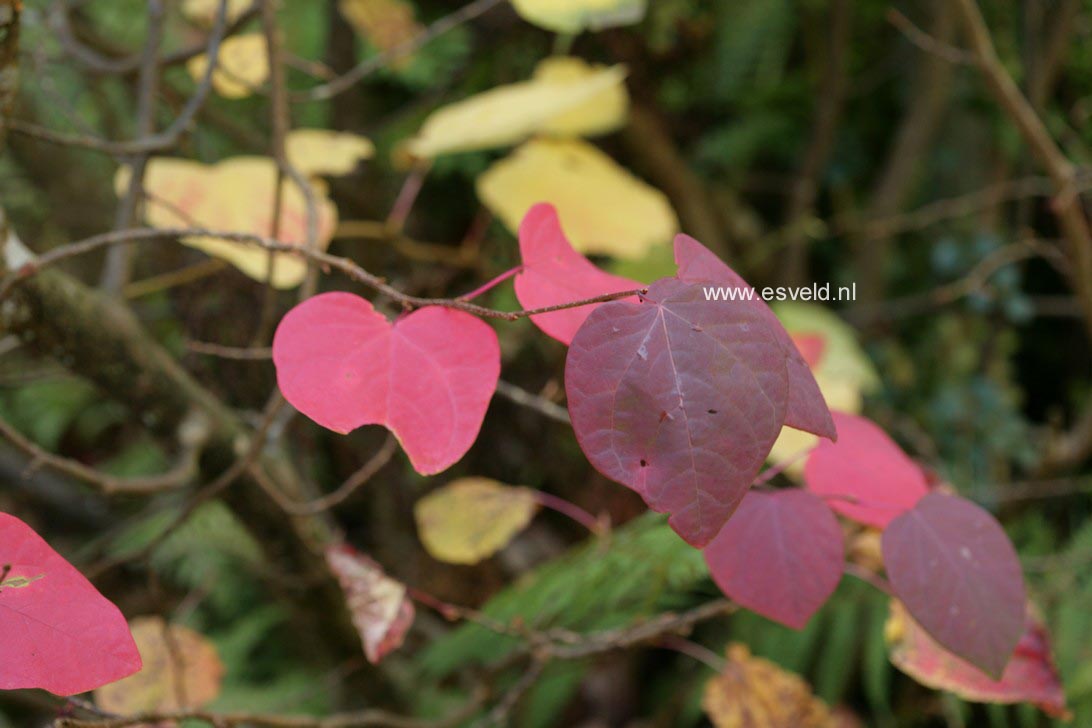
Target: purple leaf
679,399
956,571
806,408
780,555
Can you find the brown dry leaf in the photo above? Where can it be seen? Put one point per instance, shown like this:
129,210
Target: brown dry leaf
579,99
753,692
235,195
181,670
381,611
242,66
603,208
386,24
321,151
470,519
1029,677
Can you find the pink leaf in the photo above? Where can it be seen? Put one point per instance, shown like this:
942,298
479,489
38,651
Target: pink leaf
867,466
428,377
954,568
381,611
807,409
553,273
678,399
780,555
56,631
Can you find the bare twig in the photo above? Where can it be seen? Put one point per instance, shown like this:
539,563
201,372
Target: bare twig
377,62
928,43
527,399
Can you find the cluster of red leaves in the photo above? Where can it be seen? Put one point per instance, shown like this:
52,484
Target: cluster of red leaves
673,395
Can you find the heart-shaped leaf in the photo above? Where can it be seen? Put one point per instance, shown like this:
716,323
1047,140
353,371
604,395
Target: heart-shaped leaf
428,377
865,465
554,273
806,409
57,632
381,611
678,399
471,519
954,568
780,555
1030,677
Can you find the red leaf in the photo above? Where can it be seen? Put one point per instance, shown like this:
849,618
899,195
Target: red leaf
956,571
56,631
678,399
806,409
382,614
780,555
553,273
1030,677
428,377
867,466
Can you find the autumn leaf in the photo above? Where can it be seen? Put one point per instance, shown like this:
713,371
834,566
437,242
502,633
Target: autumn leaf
58,632
182,669
428,377
235,195
865,475
325,152
573,16
951,564
751,692
780,555
203,12
1029,677
242,65
552,273
381,611
386,24
580,99
603,208
470,519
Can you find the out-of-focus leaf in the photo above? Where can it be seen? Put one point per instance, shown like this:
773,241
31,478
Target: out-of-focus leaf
234,195
386,24
204,12
1030,676
603,208
952,565
842,370
182,669
751,691
578,98
381,611
573,16
325,152
470,519
242,65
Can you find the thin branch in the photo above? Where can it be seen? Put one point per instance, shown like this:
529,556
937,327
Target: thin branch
527,399
928,43
379,61
344,265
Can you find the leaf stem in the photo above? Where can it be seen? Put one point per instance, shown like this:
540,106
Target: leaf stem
489,285
597,526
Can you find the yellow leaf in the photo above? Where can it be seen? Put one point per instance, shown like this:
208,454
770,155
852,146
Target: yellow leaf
580,99
242,66
320,151
386,24
752,692
235,195
471,519
844,372
181,670
603,113
603,208
204,12
573,16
